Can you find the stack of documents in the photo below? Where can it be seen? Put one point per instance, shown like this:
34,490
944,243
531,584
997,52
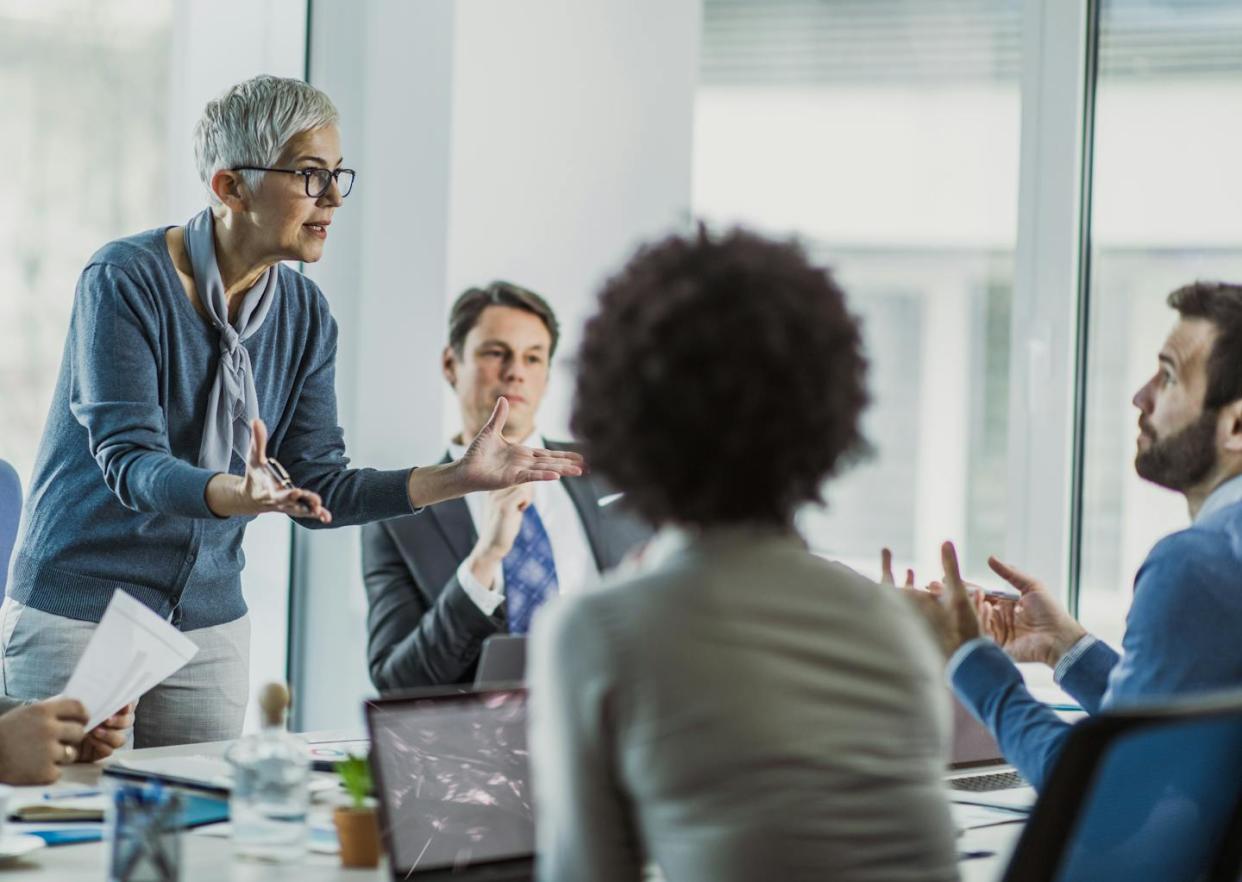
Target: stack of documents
130,652
59,804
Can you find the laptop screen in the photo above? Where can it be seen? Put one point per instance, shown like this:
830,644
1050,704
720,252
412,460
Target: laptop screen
973,744
451,772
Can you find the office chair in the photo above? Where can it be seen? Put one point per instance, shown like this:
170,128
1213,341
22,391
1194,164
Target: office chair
10,516
1145,794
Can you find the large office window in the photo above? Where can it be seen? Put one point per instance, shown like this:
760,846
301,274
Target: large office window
83,119
97,102
1166,197
886,135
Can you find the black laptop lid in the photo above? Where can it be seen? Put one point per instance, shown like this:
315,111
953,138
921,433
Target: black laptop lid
451,774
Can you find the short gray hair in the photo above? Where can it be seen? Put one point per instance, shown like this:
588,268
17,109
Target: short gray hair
251,123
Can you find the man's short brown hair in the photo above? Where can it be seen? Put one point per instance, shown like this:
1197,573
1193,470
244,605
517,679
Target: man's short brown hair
1221,304
470,305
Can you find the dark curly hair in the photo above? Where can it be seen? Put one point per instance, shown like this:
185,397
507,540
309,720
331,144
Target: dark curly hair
721,381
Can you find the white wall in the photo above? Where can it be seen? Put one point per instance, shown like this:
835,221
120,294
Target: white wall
534,140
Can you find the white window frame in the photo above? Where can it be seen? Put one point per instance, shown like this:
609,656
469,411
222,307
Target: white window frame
1050,258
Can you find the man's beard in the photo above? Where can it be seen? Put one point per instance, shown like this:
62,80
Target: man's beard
1181,460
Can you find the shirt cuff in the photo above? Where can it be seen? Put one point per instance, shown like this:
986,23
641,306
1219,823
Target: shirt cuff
958,657
486,599
1075,653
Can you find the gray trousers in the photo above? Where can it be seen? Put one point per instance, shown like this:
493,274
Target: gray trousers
204,701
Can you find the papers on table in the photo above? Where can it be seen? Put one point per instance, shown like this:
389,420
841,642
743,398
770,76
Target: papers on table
1020,799
130,652
207,772
967,816
197,770
58,804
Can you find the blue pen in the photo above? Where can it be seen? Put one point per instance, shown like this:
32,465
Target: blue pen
71,794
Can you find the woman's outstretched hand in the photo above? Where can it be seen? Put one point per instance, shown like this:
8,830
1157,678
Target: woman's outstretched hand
263,488
492,463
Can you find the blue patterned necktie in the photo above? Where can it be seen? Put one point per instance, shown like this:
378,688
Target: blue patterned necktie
530,572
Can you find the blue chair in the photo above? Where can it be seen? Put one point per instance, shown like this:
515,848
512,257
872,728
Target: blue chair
1144,795
10,516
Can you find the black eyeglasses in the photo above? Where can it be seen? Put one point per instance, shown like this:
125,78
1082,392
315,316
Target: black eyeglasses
318,180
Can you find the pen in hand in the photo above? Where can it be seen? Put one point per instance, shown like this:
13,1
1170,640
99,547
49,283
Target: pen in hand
281,477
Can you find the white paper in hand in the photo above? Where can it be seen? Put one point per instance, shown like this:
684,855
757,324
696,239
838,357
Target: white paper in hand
130,652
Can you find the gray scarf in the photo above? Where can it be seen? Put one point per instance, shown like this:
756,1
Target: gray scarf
233,402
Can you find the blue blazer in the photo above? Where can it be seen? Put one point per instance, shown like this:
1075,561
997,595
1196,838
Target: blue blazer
1183,635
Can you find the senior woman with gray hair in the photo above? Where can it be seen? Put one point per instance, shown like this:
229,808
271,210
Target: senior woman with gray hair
186,347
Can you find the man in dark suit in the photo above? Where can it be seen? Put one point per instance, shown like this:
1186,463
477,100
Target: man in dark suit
441,582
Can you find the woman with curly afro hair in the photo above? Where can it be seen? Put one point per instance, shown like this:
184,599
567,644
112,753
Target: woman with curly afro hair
735,707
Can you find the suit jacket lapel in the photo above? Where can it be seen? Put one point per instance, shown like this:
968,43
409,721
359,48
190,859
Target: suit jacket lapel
452,518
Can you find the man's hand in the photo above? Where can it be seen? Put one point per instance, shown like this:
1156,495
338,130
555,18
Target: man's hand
108,736
259,491
950,612
501,522
36,740
1034,628
492,463
886,571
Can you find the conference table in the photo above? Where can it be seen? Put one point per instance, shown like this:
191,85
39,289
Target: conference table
207,857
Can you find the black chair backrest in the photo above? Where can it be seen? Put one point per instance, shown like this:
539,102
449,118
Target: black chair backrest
1145,794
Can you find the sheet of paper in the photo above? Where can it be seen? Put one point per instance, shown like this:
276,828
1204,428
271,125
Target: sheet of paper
1020,798
969,817
130,652
213,771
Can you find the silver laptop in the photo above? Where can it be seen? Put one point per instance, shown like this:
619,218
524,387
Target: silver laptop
503,661
978,771
452,777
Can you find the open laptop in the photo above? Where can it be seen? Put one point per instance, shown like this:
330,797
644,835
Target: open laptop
978,771
451,774
502,661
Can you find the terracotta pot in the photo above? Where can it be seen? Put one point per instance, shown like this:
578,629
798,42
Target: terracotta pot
358,831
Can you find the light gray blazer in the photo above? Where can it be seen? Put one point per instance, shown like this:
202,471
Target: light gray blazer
742,712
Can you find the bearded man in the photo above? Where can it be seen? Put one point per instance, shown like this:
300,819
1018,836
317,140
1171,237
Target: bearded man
1182,632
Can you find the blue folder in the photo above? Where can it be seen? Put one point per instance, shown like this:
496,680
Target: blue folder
198,810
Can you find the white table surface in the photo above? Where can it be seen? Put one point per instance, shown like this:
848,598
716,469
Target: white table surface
203,857
210,858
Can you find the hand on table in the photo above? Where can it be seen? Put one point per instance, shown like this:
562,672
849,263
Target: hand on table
37,739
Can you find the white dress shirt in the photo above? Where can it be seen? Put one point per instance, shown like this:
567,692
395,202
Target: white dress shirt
575,563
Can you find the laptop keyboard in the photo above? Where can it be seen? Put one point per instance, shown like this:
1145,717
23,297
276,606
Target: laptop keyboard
983,783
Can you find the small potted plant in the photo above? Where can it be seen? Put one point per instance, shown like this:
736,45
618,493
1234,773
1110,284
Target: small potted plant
357,826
